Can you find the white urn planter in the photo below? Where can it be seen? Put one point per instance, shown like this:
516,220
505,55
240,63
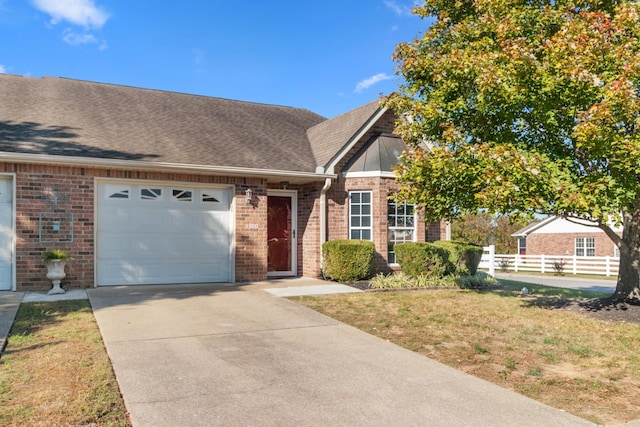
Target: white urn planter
55,273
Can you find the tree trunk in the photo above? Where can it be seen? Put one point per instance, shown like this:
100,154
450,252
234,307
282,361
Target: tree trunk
628,286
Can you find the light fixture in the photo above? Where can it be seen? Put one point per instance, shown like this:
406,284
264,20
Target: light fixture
284,184
248,196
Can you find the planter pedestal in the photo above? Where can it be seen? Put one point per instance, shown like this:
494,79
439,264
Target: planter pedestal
55,273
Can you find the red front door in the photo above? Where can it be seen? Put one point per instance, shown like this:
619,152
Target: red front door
281,234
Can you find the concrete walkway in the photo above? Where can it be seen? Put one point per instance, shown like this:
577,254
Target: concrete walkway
207,355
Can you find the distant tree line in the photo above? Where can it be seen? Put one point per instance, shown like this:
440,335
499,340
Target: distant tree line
485,229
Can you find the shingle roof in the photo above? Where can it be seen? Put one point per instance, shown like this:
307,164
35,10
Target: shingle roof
77,118
329,137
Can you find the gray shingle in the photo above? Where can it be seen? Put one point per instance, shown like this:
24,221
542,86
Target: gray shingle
327,138
77,118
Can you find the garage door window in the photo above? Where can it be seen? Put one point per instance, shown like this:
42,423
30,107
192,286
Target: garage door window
151,193
119,194
182,195
207,198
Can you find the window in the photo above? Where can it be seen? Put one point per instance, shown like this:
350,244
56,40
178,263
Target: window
585,246
522,245
122,194
182,195
208,198
150,193
360,215
400,226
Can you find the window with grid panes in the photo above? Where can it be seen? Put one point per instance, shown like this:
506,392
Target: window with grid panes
360,215
585,246
400,226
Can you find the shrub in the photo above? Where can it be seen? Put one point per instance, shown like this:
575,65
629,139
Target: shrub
504,264
348,260
420,258
401,280
558,267
480,280
464,258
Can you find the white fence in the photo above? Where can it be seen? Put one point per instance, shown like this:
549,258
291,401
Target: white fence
606,266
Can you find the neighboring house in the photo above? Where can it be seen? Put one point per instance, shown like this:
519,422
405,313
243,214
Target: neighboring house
148,187
559,236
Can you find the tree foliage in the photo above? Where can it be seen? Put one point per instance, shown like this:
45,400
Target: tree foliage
484,229
525,106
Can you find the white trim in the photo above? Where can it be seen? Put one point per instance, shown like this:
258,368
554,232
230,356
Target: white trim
14,280
158,166
370,214
14,233
293,194
534,227
354,140
369,174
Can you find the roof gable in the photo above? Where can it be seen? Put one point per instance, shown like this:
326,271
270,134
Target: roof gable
333,137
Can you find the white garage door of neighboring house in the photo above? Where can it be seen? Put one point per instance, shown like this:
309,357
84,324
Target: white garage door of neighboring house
6,233
154,234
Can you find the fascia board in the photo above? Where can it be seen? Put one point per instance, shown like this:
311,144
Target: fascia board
158,166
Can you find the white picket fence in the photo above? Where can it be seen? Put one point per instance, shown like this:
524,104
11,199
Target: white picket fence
492,262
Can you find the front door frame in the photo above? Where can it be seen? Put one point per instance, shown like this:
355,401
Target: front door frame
293,194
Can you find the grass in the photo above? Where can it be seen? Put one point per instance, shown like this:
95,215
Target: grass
587,367
55,370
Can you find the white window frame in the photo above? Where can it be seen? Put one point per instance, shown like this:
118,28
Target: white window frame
391,259
359,227
522,245
585,245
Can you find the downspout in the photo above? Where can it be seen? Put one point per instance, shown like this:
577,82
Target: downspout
323,217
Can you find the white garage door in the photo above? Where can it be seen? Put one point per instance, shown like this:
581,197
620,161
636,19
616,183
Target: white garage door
6,233
153,234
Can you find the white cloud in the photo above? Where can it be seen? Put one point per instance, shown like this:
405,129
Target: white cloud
79,12
75,39
3,69
398,9
367,83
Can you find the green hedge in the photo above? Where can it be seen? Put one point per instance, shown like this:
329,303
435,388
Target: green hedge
464,258
419,258
348,260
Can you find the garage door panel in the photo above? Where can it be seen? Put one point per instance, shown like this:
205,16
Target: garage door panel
116,218
214,220
171,237
117,272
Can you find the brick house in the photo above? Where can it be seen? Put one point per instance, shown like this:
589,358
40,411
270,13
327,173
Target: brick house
149,187
559,236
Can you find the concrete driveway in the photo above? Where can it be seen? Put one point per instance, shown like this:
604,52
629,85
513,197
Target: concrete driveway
206,355
607,286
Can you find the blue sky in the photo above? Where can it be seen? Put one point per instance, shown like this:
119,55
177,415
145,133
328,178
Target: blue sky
327,56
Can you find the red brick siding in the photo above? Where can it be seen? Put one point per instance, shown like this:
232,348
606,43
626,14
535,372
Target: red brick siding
564,243
77,183
381,188
309,230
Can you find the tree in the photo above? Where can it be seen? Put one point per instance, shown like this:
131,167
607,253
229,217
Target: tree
485,229
473,228
524,107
